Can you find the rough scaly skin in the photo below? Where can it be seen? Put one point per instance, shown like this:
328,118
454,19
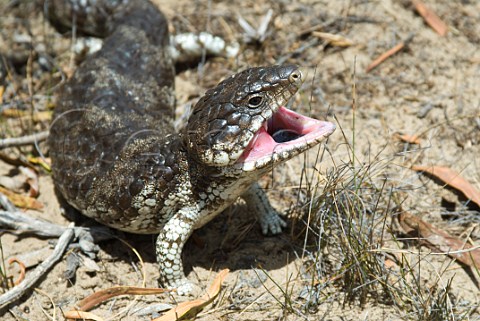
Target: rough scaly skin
116,157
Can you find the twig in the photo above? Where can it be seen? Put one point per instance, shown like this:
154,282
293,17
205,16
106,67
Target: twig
431,18
18,291
6,204
250,33
24,140
389,53
22,269
22,223
25,224
87,238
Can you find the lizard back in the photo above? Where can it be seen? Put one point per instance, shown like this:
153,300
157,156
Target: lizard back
118,105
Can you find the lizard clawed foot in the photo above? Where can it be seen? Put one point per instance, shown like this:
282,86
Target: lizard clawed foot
270,220
272,223
185,287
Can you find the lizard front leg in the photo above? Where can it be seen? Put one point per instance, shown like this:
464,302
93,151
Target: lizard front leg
257,202
169,248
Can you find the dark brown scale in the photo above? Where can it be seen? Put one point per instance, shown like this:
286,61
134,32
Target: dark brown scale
124,200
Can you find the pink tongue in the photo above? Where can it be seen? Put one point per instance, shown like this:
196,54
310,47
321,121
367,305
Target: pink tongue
263,145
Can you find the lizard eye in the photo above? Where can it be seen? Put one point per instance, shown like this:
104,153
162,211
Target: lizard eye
255,101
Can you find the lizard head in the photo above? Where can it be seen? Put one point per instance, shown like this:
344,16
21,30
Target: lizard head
242,122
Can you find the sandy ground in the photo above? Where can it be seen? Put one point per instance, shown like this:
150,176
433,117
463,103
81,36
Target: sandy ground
269,275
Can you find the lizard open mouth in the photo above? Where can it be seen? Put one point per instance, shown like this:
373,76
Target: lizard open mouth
285,134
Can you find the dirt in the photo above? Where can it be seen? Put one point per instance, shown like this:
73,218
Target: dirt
270,275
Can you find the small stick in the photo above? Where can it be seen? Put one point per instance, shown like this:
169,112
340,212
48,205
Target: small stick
389,53
6,204
24,140
22,269
431,18
24,223
18,291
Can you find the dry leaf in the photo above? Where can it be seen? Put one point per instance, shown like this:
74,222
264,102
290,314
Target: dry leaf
82,315
103,295
12,113
333,39
388,54
191,308
431,18
453,179
216,285
385,56
2,90
21,277
441,240
40,116
411,139
21,200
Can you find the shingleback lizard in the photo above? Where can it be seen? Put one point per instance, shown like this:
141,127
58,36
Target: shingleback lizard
115,154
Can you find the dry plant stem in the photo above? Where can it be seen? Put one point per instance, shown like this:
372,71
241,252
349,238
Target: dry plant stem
24,140
431,18
22,269
6,204
23,223
18,291
389,53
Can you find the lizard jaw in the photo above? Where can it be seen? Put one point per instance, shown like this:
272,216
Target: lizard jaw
283,136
